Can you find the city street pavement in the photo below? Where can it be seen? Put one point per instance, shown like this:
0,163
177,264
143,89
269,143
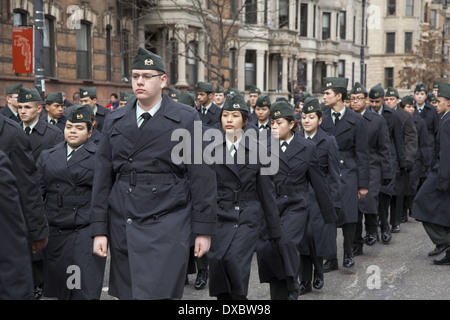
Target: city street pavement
404,268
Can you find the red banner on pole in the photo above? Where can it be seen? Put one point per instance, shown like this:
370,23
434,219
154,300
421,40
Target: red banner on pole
22,49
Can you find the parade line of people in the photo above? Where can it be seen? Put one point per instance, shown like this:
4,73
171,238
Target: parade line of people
86,182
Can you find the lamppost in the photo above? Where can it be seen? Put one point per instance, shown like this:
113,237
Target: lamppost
444,8
362,41
39,47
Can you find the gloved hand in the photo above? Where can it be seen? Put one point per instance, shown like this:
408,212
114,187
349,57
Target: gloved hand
385,182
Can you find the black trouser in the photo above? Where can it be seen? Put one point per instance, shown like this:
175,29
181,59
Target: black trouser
383,209
348,231
396,210
371,226
437,233
279,288
308,261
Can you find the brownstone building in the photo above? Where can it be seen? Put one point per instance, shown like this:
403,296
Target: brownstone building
86,43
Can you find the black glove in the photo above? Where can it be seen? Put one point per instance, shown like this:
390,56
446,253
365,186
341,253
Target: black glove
386,182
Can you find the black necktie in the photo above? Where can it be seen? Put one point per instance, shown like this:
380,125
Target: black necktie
27,130
52,121
233,150
263,127
146,116
336,117
285,145
309,138
70,155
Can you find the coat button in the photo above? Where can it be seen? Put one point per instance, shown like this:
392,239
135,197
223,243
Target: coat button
154,190
235,226
236,208
129,190
129,221
342,161
130,159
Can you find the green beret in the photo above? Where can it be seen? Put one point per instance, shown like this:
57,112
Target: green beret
358,88
408,100
81,113
281,99
436,84
187,98
311,105
335,82
219,89
263,101
13,89
254,89
146,60
376,92
90,92
54,97
233,91
304,95
235,102
174,93
431,97
392,92
420,87
28,95
125,95
444,90
281,109
207,87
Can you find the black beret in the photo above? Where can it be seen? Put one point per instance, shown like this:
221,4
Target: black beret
28,95
54,97
335,82
358,88
207,87
408,100
12,89
311,105
376,92
90,92
81,113
254,89
444,90
219,89
281,109
392,92
147,60
174,93
235,102
126,95
263,101
420,87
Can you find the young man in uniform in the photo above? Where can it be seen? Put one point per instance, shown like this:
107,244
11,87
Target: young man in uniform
54,110
350,132
380,168
174,94
219,96
148,205
10,110
125,97
262,112
432,201
209,112
89,96
253,94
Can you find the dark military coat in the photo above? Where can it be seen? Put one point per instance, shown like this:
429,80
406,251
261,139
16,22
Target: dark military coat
67,188
6,111
352,139
211,117
431,118
432,201
16,277
44,136
100,116
146,204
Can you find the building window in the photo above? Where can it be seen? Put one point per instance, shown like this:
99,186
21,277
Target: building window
447,27
20,18
390,42
342,24
354,29
302,72
326,26
250,68
391,7
232,64
304,20
192,63
353,72
341,68
173,63
409,8
83,36
283,17
251,11
433,18
314,21
408,42
125,39
49,47
232,9
108,54
388,77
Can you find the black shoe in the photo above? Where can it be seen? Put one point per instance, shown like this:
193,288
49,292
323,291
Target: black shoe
38,291
385,234
403,219
330,265
439,249
395,229
348,261
202,278
357,251
305,287
371,238
292,295
443,261
318,281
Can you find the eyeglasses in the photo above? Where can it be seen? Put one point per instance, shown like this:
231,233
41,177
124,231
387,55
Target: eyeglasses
357,99
145,76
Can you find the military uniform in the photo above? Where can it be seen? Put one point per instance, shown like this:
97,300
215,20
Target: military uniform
7,111
210,115
100,111
147,205
350,132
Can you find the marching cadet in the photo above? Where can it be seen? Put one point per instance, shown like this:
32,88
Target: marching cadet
432,201
54,110
187,98
253,94
299,105
89,96
174,94
41,136
320,237
219,96
125,97
146,205
10,110
432,99
15,255
350,131
380,169
245,197
429,114
262,112
422,160
66,175
397,151
209,112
